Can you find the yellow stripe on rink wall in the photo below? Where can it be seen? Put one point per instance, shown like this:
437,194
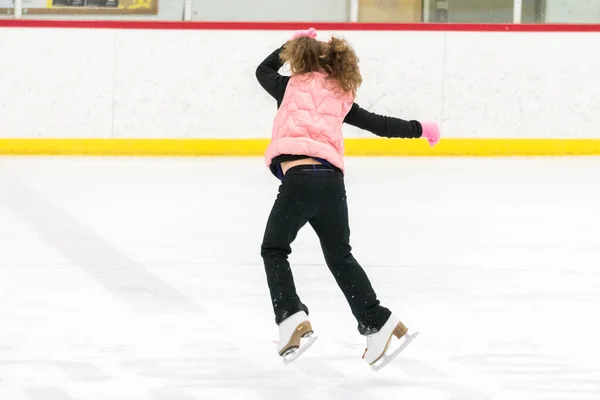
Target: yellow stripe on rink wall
256,147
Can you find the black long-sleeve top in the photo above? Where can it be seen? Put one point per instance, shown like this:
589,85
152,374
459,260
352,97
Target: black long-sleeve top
275,84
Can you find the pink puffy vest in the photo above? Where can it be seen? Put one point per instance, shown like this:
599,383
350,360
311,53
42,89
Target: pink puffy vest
309,120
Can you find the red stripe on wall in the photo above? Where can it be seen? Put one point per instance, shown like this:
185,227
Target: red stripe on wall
284,26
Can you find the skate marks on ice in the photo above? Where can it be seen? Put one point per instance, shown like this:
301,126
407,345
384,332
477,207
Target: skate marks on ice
73,371
47,379
351,378
313,378
512,372
537,376
201,377
109,266
212,371
48,393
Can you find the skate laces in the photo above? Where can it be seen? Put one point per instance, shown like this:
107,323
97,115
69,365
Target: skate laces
367,349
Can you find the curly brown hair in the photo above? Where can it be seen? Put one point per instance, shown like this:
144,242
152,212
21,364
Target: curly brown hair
336,58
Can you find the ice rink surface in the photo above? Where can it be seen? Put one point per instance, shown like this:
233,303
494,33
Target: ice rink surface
141,278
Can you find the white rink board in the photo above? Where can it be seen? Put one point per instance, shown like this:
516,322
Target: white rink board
201,84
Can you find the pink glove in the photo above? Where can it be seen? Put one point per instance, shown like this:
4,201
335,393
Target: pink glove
312,32
431,132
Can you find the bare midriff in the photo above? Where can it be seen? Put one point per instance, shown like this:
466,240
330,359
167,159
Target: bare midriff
286,165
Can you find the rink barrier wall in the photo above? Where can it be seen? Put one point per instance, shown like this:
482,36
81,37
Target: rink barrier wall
257,147
169,88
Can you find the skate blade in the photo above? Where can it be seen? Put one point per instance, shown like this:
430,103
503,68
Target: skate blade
387,358
293,354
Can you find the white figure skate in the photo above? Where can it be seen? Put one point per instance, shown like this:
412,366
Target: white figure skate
378,343
295,337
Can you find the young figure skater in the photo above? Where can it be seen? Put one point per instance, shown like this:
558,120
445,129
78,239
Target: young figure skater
306,154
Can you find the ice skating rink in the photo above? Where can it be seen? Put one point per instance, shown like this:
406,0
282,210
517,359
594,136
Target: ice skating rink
141,278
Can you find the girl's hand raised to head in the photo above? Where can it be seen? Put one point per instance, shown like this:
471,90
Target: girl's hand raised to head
311,32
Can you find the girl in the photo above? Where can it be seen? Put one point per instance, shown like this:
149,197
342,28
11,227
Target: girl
306,154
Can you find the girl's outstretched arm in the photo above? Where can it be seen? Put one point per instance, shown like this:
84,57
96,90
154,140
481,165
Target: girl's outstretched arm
392,127
382,125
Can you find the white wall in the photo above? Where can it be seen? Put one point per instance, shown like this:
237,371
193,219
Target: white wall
138,83
271,10
573,11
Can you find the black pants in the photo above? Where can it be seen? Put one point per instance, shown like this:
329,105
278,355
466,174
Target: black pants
317,195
